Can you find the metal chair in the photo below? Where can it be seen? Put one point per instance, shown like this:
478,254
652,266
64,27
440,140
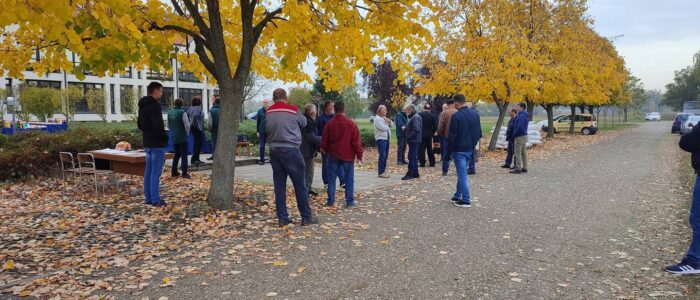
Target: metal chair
86,166
67,164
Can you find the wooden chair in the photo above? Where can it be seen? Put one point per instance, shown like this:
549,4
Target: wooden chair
86,166
240,146
67,164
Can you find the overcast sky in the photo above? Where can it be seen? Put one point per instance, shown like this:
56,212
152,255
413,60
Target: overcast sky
657,37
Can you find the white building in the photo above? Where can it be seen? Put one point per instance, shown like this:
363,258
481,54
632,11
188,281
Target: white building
185,85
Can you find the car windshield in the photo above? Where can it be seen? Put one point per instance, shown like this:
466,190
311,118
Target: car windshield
683,117
693,119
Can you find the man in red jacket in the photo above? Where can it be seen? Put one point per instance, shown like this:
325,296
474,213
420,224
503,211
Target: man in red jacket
341,142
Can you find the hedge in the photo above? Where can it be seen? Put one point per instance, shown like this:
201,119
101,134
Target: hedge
36,153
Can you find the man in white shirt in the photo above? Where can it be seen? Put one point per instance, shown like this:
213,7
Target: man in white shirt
382,134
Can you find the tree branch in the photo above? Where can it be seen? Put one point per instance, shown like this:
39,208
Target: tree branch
193,9
269,16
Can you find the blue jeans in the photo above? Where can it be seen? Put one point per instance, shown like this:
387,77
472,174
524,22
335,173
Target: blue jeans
180,155
155,160
261,141
383,148
288,161
335,167
325,173
694,249
413,160
461,159
509,155
445,154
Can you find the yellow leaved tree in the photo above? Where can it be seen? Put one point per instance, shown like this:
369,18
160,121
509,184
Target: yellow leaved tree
226,40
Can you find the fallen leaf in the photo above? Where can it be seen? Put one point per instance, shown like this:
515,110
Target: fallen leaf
8,265
301,269
279,263
271,294
516,279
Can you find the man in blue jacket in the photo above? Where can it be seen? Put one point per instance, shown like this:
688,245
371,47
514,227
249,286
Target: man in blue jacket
690,264
510,139
261,129
464,133
401,121
520,134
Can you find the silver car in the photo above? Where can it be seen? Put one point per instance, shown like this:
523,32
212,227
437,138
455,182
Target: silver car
689,124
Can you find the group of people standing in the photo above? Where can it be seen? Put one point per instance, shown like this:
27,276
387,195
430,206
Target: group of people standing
181,124
296,138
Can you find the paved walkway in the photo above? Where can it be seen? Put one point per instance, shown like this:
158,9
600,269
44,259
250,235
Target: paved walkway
364,180
597,222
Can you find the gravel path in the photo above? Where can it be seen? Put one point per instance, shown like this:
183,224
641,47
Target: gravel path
593,223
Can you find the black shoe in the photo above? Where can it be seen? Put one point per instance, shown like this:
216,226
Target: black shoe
444,174
455,199
524,171
186,176
505,166
176,174
471,172
422,166
513,167
160,204
401,163
313,193
197,162
285,222
307,222
462,204
516,171
261,163
432,166
407,177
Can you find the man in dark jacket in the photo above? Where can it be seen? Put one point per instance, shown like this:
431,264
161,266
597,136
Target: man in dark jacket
310,143
471,169
510,139
520,134
150,122
413,131
691,263
214,125
285,125
261,125
464,133
401,121
427,132
341,142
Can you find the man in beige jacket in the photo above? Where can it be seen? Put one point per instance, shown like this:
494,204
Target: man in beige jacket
443,132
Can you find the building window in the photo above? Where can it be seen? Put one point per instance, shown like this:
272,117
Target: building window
111,99
187,95
81,106
128,73
167,99
76,63
44,83
158,75
187,77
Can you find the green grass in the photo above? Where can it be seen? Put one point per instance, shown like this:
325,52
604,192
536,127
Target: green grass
102,125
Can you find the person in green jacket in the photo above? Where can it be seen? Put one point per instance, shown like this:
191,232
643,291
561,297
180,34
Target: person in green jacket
179,125
214,124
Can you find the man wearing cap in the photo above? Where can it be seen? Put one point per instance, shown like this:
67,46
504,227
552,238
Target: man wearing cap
261,132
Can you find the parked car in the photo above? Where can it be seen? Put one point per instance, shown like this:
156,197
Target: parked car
688,125
652,116
543,123
680,119
585,124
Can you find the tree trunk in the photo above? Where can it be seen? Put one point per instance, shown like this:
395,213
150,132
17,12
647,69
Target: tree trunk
502,108
625,114
232,96
530,108
572,122
582,108
590,109
550,120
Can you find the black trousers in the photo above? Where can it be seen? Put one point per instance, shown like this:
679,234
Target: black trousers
426,144
198,137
